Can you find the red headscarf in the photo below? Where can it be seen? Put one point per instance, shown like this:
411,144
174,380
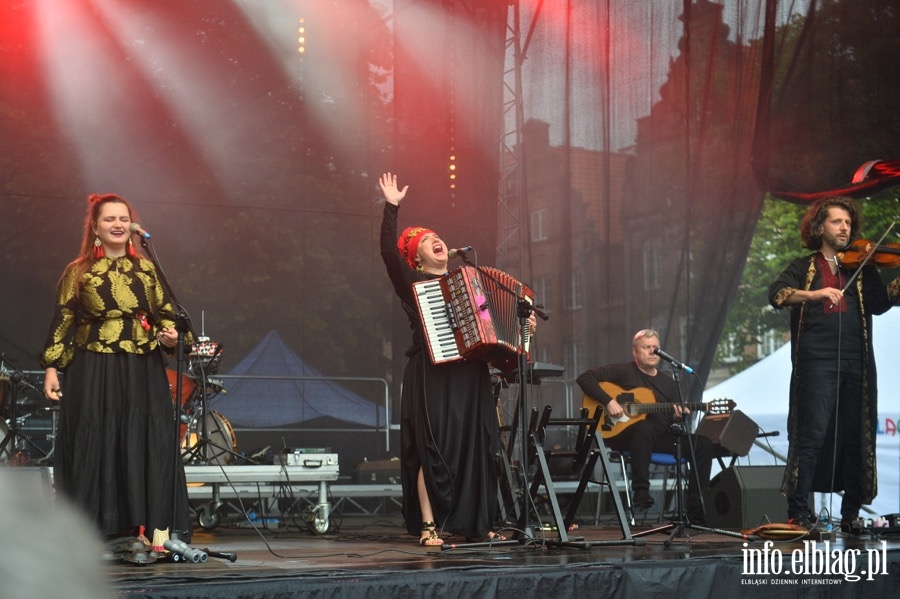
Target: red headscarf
408,244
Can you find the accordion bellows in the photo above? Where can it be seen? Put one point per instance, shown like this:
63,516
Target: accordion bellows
472,313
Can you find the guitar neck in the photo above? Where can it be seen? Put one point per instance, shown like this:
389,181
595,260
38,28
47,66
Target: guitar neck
655,408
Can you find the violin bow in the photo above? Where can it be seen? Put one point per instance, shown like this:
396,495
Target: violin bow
869,255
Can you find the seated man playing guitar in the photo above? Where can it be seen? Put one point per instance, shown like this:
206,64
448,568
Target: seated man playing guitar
640,404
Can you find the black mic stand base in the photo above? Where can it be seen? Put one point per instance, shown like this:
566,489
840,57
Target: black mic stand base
581,542
480,544
587,545
680,530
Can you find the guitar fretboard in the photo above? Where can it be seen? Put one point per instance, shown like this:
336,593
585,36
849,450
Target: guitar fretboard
656,408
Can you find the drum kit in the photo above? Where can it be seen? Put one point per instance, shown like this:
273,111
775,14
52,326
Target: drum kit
207,437
28,421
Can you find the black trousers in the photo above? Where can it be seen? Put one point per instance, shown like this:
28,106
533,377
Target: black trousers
827,441
651,435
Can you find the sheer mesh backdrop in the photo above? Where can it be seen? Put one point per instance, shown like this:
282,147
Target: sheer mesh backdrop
650,132
640,171
611,153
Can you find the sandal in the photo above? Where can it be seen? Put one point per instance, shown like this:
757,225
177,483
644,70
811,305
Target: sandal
490,537
493,536
432,538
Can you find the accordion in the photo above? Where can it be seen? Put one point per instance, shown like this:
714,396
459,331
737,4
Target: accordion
472,313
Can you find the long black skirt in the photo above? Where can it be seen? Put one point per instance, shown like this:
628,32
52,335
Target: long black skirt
117,455
449,429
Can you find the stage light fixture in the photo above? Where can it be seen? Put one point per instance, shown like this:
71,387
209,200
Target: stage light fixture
451,168
301,30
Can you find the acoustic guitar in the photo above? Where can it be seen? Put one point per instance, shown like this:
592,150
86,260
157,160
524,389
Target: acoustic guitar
638,403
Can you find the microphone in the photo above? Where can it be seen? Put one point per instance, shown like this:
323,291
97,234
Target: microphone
675,363
232,557
184,551
136,228
459,251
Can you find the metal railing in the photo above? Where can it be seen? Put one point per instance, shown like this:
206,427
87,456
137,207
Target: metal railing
380,426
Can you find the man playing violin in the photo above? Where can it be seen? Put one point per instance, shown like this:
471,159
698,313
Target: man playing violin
613,385
833,396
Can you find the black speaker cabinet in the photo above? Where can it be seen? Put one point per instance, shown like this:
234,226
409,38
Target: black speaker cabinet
742,497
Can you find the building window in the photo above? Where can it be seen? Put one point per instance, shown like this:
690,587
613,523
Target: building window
575,291
542,296
652,264
575,358
538,224
771,341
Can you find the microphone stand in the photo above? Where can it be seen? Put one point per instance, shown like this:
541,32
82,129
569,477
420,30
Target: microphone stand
681,522
524,310
179,550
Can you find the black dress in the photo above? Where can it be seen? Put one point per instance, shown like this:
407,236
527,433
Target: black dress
449,424
116,455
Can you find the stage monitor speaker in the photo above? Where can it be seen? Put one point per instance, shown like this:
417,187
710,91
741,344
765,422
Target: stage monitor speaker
743,497
734,432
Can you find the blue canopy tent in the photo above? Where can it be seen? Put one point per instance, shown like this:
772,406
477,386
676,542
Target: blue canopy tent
267,402
285,403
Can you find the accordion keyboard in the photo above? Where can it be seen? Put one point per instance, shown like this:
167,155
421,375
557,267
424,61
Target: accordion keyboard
436,321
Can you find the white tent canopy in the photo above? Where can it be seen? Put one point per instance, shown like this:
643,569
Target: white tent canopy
761,392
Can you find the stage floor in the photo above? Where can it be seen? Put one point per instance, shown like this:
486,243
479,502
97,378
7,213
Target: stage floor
371,556
364,551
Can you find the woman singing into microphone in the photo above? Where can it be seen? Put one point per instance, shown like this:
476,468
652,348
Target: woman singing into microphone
116,457
449,434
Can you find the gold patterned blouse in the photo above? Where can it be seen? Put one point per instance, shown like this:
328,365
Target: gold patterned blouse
120,307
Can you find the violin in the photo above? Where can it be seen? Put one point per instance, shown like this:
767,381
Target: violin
865,251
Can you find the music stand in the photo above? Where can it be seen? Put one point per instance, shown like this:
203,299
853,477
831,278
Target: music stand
589,448
532,444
